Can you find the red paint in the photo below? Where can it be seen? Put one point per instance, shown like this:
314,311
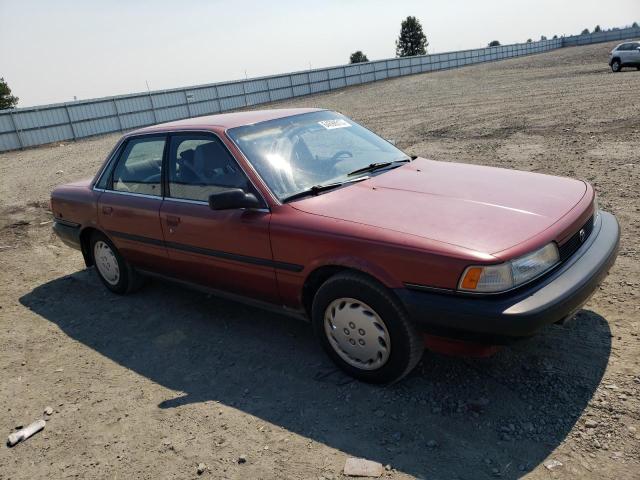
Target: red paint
422,223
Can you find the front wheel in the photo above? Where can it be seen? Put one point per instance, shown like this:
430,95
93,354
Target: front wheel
364,329
113,270
616,66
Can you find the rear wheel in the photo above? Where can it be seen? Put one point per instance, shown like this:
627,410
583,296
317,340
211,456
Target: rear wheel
616,66
364,329
113,270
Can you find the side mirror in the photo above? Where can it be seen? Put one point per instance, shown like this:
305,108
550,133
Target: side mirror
233,198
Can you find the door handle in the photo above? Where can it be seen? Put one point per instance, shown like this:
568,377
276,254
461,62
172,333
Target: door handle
107,210
173,221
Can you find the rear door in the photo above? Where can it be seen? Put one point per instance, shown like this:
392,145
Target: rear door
129,205
227,250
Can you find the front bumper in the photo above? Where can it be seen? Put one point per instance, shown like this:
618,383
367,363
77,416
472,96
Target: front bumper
501,318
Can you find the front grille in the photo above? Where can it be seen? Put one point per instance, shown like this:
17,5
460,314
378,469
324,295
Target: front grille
569,247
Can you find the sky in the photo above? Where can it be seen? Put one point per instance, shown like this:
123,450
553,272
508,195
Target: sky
52,51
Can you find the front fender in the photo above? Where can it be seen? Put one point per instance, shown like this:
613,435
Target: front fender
354,263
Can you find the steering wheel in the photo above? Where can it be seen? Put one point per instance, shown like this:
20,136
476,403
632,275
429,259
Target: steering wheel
341,153
336,156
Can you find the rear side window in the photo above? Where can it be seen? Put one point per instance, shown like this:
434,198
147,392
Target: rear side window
199,165
139,167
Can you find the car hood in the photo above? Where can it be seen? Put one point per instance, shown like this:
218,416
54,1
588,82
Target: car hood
475,207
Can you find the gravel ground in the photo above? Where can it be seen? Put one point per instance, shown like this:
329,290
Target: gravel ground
152,385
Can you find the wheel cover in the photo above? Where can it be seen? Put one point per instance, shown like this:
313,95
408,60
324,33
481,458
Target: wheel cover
106,262
357,333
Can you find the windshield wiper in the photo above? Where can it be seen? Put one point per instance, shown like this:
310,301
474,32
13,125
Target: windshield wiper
372,167
316,189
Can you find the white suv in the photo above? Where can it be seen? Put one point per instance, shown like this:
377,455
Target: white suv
625,55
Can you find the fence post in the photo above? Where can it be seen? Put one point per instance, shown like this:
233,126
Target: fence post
269,92
153,110
215,87
73,130
186,99
15,127
115,107
244,92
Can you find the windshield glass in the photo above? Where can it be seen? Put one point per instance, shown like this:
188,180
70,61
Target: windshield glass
293,154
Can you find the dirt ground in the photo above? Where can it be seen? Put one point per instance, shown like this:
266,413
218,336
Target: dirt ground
151,385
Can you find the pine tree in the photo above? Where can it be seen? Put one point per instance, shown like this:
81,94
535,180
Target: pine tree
358,57
6,99
412,40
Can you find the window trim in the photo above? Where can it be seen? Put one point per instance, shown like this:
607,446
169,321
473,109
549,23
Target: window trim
115,159
115,152
166,191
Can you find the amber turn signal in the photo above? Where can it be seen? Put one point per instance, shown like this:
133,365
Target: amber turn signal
471,278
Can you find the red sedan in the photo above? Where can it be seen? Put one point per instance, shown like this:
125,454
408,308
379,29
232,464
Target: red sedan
306,211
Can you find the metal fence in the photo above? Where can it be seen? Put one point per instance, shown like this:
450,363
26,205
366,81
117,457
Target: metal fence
27,127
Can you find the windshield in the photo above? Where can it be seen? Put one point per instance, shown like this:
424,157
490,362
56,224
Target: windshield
294,154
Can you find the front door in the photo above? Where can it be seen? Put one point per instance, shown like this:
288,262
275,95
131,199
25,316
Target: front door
129,206
227,250
633,55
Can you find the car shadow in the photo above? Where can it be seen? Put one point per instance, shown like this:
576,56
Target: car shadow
451,418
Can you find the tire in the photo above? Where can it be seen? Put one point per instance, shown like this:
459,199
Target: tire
350,307
616,66
113,270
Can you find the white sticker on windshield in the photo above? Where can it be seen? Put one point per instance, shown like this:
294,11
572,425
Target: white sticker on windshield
337,123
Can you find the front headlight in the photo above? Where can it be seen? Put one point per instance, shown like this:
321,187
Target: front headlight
508,275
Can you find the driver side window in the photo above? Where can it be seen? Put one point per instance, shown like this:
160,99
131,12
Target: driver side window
200,165
139,167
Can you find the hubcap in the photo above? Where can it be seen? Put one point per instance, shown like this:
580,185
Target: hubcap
106,262
357,333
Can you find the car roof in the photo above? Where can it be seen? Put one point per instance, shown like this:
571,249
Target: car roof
226,120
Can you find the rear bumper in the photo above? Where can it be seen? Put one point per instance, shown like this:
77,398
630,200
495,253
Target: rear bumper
68,232
521,313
